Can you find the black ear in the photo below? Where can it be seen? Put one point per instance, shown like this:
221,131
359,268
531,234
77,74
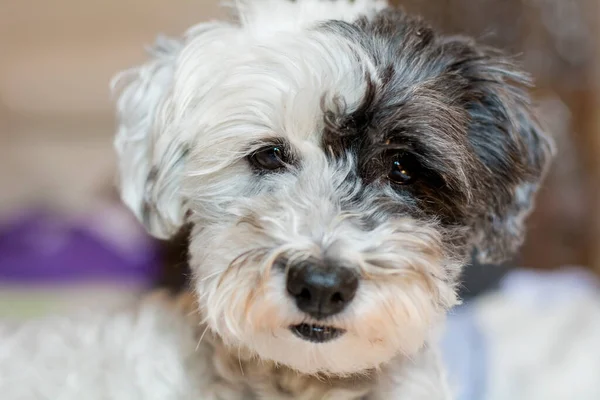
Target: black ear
507,139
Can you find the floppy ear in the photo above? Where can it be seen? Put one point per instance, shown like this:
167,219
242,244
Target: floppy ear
157,104
150,157
507,138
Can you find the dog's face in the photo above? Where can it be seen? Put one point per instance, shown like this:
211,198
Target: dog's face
337,174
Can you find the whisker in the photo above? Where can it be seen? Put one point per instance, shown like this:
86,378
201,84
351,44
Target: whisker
201,337
237,262
240,360
207,277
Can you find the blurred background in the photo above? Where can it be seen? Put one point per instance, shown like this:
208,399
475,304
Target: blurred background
63,231
66,241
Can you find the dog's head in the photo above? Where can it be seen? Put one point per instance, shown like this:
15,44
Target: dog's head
339,161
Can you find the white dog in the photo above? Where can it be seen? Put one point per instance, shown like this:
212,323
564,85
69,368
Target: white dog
338,162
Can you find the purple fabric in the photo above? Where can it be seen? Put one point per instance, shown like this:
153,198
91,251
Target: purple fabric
42,247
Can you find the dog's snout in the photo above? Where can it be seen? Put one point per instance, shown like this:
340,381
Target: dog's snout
321,290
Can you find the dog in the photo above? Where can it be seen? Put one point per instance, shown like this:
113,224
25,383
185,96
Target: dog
338,162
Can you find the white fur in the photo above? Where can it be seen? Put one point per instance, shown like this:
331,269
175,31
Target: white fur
151,350
134,353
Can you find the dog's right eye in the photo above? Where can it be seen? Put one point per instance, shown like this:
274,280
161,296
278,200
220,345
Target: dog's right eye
269,158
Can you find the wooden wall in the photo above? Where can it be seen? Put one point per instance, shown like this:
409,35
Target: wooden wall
56,113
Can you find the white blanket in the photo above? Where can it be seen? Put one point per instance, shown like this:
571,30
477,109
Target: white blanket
537,338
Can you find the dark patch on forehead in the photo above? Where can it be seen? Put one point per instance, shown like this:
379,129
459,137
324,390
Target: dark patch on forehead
404,53
343,130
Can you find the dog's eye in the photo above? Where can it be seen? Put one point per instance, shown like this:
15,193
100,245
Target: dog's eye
404,169
269,158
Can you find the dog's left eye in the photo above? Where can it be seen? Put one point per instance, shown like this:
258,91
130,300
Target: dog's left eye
404,169
270,158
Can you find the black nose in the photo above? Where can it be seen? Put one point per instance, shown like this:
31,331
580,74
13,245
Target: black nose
321,290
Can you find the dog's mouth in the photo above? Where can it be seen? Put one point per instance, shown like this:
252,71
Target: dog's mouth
316,333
